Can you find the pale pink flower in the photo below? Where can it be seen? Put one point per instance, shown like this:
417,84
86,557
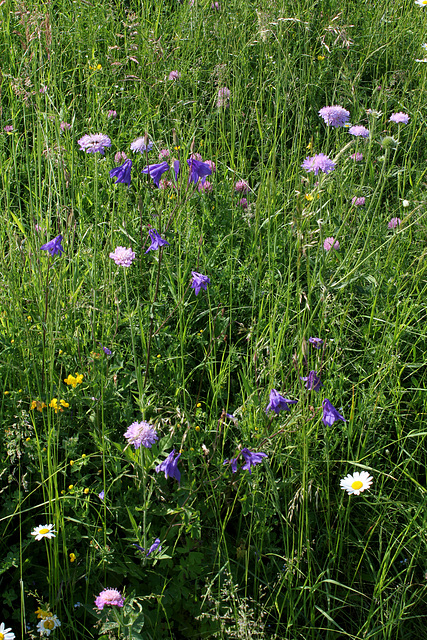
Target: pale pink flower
109,597
331,243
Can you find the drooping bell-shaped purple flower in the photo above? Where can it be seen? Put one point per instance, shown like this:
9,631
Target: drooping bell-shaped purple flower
278,403
251,459
198,170
170,466
176,169
53,246
199,282
156,241
312,381
330,414
122,173
156,171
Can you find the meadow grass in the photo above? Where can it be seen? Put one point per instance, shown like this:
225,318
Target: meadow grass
88,347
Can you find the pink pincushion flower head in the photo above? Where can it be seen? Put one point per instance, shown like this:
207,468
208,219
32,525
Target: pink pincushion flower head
331,243
335,116
319,162
399,117
109,597
241,186
174,75
358,202
359,131
94,143
123,257
394,222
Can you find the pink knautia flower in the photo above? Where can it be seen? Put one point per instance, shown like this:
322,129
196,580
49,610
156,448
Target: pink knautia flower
216,5
141,433
394,222
174,75
331,243
65,126
319,162
8,128
196,156
335,116
112,114
211,164
122,257
109,597
399,118
359,131
199,282
164,154
241,186
223,97
205,187
94,143
122,173
357,157
43,89
358,202
120,156
156,241
141,145
243,203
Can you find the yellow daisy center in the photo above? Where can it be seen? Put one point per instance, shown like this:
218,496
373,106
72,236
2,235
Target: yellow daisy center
49,624
357,484
1,636
42,532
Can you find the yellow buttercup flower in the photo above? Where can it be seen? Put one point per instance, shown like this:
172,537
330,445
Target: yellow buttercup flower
74,381
72,557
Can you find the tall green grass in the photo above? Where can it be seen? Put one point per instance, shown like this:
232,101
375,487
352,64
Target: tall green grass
281,552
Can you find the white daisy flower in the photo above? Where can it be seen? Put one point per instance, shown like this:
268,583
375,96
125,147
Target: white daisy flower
46,531
6,634
46,625
421,3
357,482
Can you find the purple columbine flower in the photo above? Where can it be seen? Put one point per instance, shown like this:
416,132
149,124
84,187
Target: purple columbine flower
334,116
170,466
141,433
358,202
141,145
312,381
278,402
54,246
122,257
154,546
106,350
211,164
156,241
198,170
394,222
359,131
94,143
316,342
156,171
199,282
122,173
174,75
176,169
399,117
330,414
331,243
251,459
357,157
319,162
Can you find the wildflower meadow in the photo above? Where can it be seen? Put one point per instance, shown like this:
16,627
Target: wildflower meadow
213,346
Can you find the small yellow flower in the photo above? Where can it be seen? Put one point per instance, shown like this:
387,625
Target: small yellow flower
60,352
310,145
309,197
64,404
12,341
177,148
71,463
72,557
70,487
27,439
62,492
198,405
19,390
158,355
43,614
197,428
99,67
74,381
320,57
83,455
191,448
86,490
29,318
6,393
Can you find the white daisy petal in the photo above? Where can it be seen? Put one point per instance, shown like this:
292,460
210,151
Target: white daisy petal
44,531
